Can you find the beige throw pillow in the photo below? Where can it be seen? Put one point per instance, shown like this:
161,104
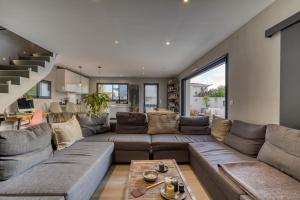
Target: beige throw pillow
66,133
220,128
163,122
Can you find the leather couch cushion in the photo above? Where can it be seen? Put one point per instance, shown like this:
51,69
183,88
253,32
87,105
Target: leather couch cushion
163,123
246,138
123,141
131,123
18,152
208,155
282,150
220,128
194,125
92,124
74,172
177,141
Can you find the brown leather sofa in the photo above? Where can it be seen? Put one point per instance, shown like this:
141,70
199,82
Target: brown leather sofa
193,145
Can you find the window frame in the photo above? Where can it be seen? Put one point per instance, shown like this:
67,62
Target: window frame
201,70
119,100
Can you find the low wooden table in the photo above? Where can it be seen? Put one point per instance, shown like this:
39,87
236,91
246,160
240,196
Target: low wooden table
136,179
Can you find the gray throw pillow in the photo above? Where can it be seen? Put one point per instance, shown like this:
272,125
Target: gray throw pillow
92,124
23,149
246,138
282,150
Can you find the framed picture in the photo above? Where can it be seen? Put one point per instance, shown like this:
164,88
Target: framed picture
42,90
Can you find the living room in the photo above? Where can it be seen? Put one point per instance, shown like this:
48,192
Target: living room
139,99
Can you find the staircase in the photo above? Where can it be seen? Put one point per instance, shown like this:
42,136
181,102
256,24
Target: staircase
21,75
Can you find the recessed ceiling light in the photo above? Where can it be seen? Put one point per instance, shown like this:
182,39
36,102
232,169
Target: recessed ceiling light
143,68
116,42
185,1
168,43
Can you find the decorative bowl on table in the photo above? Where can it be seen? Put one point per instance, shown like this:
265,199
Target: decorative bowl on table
150,176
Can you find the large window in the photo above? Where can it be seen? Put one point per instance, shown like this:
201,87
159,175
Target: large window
205,91
117,92
150,96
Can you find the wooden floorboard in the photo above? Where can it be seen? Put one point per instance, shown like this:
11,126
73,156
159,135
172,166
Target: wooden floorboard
114,183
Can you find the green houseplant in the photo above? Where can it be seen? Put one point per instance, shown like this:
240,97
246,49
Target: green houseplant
96,103
206,101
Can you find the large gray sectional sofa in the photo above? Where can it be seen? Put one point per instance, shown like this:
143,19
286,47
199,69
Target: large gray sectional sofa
75,172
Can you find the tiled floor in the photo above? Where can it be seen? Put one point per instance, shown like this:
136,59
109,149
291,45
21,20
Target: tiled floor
114,184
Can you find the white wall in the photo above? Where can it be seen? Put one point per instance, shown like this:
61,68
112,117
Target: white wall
254,65
136,81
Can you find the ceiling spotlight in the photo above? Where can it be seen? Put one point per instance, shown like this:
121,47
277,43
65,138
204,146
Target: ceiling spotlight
116,42
185,1
143,68
168,43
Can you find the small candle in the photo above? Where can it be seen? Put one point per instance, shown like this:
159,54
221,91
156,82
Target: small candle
161,166
181,187
168,181
170,191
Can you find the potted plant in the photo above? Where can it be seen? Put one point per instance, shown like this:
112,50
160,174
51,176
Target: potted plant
97,103
206,102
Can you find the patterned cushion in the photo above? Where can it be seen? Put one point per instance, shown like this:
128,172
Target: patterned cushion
66,133
163,122
220,128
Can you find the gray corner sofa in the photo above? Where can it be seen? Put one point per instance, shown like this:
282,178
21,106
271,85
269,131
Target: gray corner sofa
75,172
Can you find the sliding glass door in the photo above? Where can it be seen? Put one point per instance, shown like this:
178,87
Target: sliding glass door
150,96
205,92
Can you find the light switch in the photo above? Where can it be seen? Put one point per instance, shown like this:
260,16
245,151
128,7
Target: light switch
231,102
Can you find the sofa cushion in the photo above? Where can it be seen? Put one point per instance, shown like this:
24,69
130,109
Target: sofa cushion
208,155
194,125
16,154
74,173
163,122
92,124
282,150
177,141
131,123
14,142
220,128
123,141
246,138
32,198
66,133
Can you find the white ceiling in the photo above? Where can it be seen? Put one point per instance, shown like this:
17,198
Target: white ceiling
83,32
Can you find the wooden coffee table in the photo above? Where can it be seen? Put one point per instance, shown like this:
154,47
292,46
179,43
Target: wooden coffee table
136,179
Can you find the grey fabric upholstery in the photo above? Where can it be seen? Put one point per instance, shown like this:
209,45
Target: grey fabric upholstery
245,197
181,156
196,130
15,165
18,152
246,138
74,173
92,124
205,156
177,141
131,123
123,141
14,142
282,150
125,156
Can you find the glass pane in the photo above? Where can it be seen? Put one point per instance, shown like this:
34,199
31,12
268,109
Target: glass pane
32,92
116,92
205,93
106,88
44,89
151,98
123,92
